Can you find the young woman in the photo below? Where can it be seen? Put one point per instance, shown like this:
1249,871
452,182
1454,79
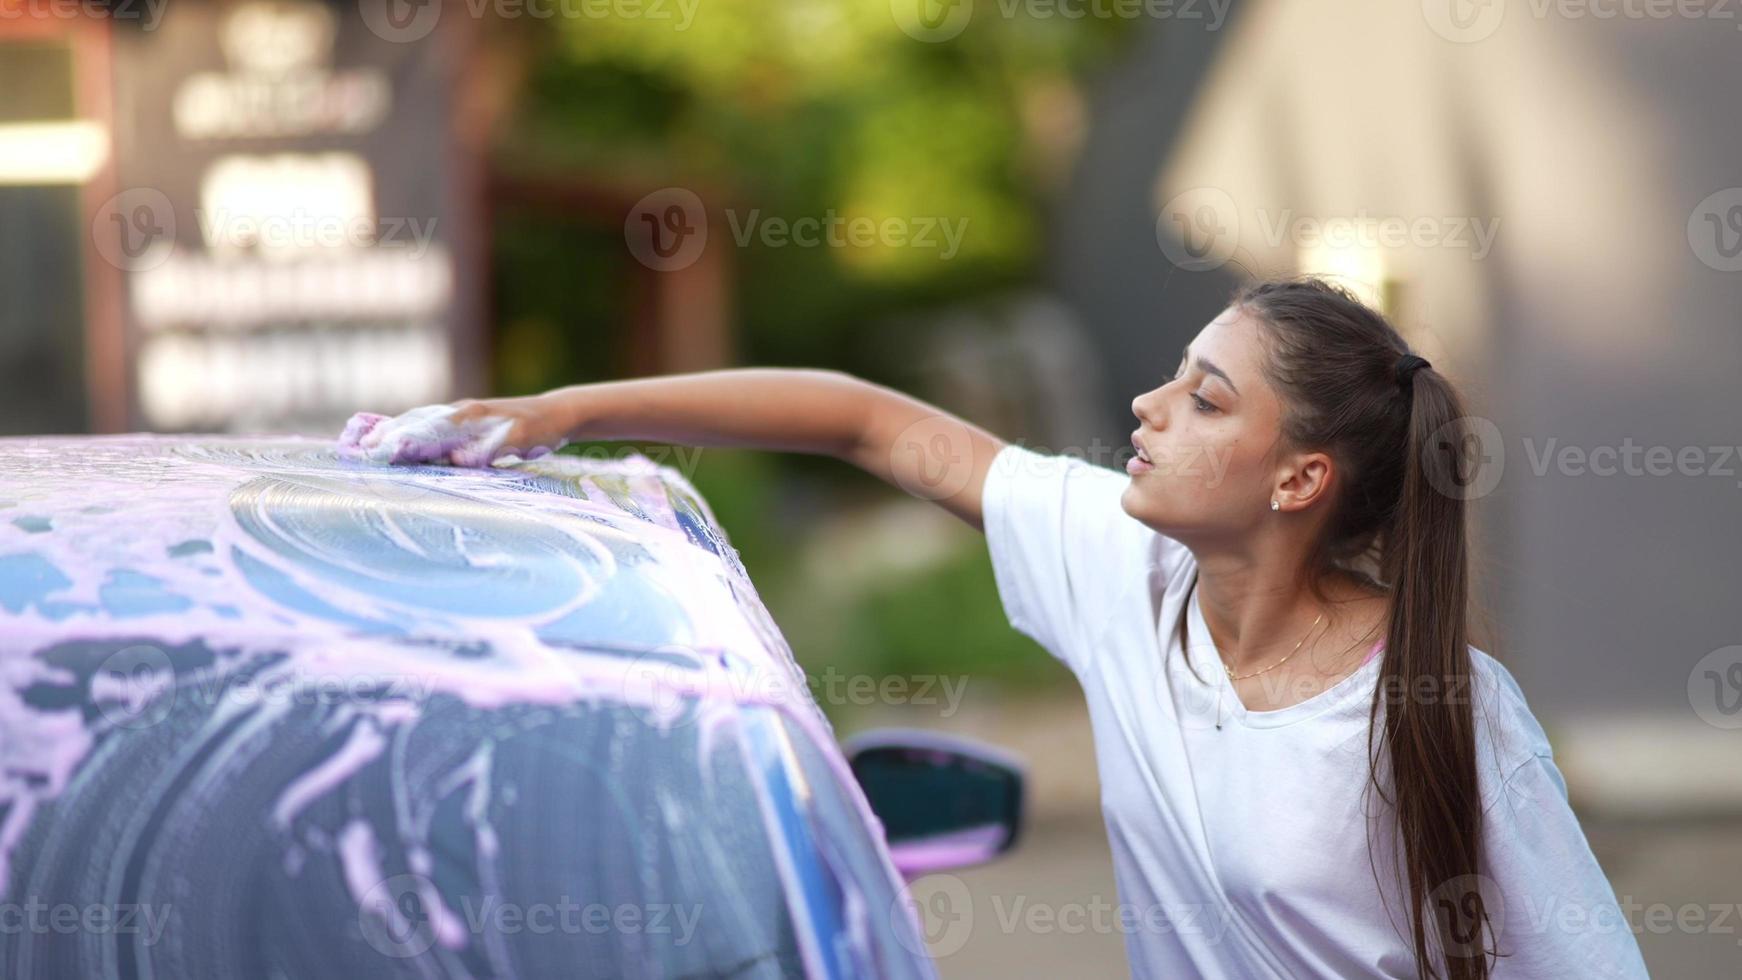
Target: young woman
1306,769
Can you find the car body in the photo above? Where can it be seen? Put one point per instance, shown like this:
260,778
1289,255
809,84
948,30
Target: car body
270,711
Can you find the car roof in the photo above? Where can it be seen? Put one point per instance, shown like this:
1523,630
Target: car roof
550,579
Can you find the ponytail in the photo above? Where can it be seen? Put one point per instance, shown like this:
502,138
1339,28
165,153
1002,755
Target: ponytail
1397,430
1428,722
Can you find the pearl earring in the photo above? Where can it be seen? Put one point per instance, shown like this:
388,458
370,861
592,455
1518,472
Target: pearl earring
1274,505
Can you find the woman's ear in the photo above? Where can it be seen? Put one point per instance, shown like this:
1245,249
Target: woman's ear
1305,480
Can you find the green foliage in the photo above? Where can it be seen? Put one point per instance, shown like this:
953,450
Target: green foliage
788,110
556,288
946,619
785,110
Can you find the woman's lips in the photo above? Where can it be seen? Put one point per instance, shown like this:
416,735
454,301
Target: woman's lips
1138,464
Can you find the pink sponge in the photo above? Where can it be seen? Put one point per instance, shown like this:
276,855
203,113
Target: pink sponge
429,435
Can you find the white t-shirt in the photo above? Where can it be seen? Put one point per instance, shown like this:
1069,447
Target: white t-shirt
1242,852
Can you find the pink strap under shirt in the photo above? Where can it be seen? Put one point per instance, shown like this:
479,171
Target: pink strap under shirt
1377,646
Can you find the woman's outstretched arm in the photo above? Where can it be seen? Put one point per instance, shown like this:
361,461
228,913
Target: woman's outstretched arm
905,442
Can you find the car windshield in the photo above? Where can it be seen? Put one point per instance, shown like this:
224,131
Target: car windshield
379,833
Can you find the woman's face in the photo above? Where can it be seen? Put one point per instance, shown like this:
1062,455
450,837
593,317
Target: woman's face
1211,434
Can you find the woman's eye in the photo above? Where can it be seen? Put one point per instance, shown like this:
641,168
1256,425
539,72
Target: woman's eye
1202,406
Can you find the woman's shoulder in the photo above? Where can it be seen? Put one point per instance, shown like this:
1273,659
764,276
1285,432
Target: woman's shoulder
1508,734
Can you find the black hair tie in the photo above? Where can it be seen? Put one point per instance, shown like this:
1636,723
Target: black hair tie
1405,370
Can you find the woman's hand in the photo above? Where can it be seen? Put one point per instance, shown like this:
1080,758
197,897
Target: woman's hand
537,424
465,433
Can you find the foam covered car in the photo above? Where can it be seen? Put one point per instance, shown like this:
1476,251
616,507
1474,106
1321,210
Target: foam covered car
266,711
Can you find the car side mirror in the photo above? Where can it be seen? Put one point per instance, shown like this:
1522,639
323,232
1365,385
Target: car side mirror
945,802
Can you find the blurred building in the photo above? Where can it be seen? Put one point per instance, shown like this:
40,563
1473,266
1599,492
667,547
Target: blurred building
263,215
1548,205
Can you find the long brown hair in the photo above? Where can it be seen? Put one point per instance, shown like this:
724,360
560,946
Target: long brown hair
1398,439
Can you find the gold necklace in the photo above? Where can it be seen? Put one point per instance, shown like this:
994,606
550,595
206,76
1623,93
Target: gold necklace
1240,677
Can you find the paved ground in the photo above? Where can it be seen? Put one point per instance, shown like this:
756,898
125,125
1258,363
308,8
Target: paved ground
1048,909
1692,873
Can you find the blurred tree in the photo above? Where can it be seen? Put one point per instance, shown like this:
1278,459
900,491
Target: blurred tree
784,110
812,109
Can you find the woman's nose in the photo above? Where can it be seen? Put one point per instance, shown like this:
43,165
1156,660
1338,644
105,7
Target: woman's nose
1146,409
